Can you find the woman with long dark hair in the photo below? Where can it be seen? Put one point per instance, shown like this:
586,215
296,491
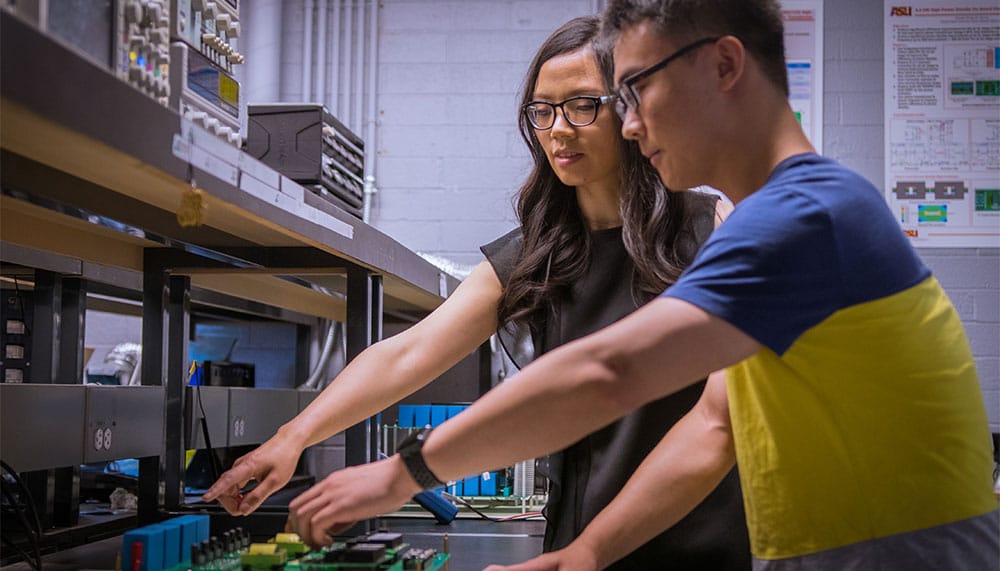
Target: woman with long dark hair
599,235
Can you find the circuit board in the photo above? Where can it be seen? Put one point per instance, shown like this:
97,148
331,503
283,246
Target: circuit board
381,551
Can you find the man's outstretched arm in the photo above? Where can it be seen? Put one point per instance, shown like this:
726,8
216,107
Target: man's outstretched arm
569,393
661,348
676,476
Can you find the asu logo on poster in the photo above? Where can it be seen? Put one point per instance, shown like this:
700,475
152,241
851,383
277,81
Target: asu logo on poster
901,11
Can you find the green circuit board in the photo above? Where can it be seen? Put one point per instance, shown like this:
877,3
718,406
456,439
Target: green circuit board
380,551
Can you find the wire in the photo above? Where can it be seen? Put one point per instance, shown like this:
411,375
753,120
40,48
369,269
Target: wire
213,459
525,515
465,503
515,517
33,563
27,494
28,532
34,535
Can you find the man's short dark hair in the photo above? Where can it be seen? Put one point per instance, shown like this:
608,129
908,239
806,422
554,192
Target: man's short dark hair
757,23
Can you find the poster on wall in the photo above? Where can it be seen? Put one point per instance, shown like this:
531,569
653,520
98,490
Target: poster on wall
942,120
803,20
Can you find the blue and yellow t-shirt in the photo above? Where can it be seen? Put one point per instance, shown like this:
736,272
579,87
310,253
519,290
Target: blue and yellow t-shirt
859,427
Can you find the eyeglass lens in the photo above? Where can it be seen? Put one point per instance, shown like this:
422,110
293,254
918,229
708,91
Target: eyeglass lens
579,112
626,95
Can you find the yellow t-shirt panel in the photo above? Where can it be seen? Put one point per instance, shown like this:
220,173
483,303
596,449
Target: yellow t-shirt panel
860,429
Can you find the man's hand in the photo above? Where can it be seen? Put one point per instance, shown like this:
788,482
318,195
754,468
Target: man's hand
271,465
349,495
572,558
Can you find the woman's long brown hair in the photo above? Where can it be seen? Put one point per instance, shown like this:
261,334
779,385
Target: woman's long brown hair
556,237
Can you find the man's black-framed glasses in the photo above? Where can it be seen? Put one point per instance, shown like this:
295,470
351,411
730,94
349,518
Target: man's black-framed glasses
628,98
579,111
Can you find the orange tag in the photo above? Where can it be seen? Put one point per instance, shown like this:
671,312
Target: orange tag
192,209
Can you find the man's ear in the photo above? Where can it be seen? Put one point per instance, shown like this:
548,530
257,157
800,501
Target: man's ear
731,62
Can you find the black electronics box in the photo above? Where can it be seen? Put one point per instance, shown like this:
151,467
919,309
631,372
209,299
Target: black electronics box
228,374
17,317
304,142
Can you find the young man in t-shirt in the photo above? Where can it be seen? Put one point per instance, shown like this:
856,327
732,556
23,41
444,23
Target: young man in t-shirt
851,398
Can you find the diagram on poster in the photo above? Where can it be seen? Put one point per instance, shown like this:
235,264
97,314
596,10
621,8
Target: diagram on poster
942,120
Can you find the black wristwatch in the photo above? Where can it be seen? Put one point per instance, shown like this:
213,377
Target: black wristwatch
410,451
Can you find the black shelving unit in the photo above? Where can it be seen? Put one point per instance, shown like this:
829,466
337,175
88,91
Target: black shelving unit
93,173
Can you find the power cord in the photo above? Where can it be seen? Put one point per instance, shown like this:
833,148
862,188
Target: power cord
213,459
466,503
34,533
33,563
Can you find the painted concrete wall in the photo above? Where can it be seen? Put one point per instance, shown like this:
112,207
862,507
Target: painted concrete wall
450,158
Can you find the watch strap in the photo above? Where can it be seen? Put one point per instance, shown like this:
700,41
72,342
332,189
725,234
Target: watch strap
411,452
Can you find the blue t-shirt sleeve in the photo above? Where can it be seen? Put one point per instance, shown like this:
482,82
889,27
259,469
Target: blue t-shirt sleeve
771,269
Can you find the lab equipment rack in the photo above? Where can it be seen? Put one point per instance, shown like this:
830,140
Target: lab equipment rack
96,178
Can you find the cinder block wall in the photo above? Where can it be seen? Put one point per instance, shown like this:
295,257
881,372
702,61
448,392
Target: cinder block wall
450,158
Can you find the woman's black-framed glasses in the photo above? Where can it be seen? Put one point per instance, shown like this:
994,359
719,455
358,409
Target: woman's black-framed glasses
579,111
628,98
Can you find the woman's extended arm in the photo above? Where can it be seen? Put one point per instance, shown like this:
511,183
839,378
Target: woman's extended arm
380,376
